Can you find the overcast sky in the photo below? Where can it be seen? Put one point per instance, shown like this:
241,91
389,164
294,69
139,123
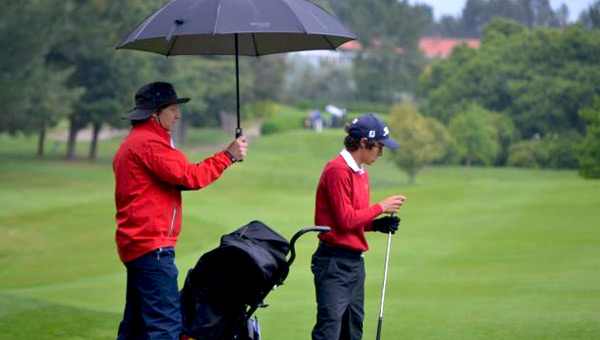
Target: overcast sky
454,7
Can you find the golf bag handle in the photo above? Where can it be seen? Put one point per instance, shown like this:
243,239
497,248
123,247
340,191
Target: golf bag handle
297,236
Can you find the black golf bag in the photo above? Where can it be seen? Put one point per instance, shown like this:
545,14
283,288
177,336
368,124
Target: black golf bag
229,283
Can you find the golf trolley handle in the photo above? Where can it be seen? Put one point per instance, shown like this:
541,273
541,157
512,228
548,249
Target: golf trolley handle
297,236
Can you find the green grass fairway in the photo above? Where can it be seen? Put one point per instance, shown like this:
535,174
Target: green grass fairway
511,254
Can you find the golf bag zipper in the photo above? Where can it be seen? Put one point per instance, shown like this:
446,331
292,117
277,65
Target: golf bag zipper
172,221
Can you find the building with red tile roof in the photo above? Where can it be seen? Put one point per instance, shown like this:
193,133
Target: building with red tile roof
434,47
431,47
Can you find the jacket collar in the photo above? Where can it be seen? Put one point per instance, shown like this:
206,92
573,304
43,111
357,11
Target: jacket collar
351,162
153,126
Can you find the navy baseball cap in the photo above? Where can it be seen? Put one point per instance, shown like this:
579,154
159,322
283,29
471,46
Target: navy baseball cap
151,97
374,129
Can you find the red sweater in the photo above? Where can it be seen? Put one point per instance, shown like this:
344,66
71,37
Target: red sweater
149,176
342,203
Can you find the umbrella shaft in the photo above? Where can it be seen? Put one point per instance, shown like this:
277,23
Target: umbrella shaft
237,86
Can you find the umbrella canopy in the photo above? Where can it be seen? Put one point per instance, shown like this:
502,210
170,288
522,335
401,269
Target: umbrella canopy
237,27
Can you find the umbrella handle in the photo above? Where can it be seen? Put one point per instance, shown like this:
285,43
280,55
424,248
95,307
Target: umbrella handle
238,133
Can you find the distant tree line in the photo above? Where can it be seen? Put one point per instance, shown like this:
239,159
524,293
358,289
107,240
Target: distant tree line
388,66
477,13
59,62
531,86
526,97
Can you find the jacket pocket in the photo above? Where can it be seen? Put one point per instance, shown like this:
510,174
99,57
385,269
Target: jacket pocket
172,221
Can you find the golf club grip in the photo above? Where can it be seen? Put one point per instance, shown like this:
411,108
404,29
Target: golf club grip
379,327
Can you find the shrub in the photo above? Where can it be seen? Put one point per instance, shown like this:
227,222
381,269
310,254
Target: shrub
549,152
275,125
589,155
285,119
523,154
259,109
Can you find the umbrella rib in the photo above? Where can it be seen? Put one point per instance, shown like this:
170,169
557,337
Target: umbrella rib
296,16
172,45
148,22
329,42
254,43
217,18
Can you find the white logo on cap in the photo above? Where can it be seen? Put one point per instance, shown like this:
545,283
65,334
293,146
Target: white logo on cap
386,131
372,134
355,121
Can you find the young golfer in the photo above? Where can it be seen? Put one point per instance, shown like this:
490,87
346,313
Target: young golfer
343,203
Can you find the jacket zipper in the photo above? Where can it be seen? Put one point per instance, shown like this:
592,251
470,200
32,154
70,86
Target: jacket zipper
172,221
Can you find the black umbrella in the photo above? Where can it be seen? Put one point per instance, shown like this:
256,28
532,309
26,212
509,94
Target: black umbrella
237,27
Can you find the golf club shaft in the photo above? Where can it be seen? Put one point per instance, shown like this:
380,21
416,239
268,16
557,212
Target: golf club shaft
385,270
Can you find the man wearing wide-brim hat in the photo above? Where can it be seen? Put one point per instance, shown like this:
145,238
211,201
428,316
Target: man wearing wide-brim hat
150,175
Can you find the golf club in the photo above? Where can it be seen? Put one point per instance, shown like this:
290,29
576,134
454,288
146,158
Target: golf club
385,270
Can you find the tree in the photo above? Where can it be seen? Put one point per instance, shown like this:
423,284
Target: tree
56,103
390,62
589,160
475,136
268,77
424,140
326,84
474,17
590,18
108,77
507,134
532,13
541,78
33,93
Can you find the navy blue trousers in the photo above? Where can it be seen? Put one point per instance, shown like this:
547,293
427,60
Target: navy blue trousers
152,309
339,277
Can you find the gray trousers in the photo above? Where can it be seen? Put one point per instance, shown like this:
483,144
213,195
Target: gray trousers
339,277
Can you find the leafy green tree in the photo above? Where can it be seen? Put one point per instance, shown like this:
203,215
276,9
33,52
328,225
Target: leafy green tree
109,77
447,26
590,18
424,140
327,84
541,78
210,82
475,135
56,103
507,134
589,160
268,77
531,13
390,62
33,93
551,151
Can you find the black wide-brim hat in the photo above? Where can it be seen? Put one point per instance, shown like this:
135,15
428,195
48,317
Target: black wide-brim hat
152,97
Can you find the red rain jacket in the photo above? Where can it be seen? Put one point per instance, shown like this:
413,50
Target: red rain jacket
150,175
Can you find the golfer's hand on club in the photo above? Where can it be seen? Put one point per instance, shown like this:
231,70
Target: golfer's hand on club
392,204
386,224
238,148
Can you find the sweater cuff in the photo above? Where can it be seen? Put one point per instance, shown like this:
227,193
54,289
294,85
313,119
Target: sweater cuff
376,210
